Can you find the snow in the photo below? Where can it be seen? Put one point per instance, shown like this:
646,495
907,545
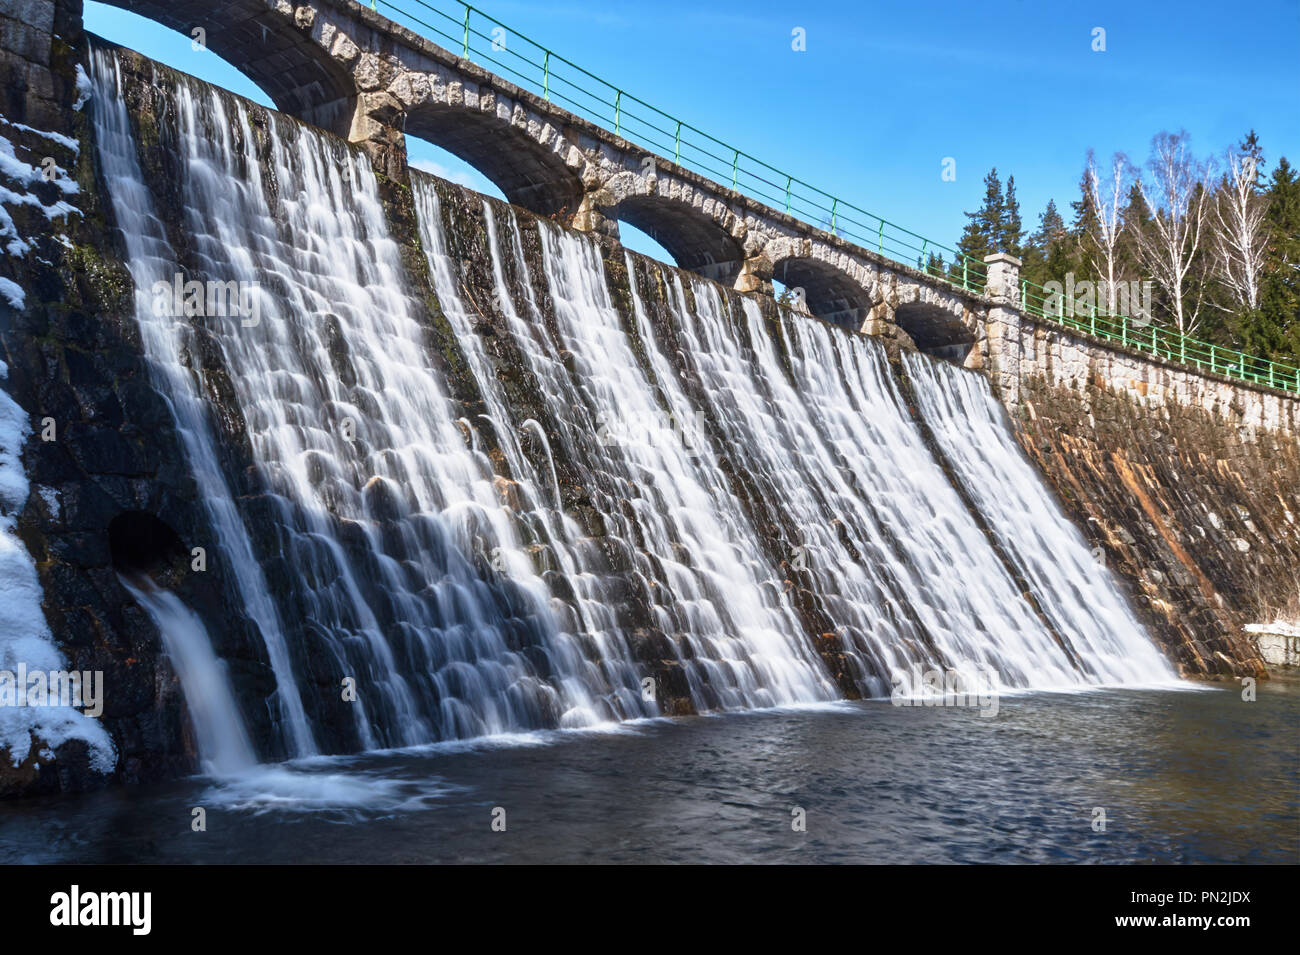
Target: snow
22,174
67,142
1280,627
12,292
24,635
83,88
50,496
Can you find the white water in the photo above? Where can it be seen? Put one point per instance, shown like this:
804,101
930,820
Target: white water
150,258
738,634
223,743
386,548
870,516
1074,587
386,521
607,665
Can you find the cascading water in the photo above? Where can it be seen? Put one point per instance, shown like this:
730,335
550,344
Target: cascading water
875,524
679,486
223,743
740,639
609,665
150,258
739,643
1073,586
383,517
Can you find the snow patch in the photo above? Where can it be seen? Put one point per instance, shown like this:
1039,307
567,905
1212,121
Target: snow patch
24,635
50,496
67,142
23,174
12,293
1280,627
83,89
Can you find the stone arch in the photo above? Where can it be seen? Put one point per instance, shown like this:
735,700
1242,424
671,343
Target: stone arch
528,172
260,41
830,292
937,325
696,230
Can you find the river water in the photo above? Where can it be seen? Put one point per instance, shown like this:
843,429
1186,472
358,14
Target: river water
1184,776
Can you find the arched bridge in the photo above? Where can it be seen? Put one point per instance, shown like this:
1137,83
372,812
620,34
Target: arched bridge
342,66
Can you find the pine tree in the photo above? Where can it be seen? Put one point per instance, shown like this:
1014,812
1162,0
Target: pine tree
985,229
1012,234
1083,261
1046,252
1276,330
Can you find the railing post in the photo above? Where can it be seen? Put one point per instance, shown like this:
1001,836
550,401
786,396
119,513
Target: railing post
618,102
1092,319
677,144
834,204
925,244
880,238
546,76
735,168
1123,330
467,10
1212,371
788,180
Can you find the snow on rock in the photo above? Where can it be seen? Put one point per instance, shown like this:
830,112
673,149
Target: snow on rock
24,635
12,292
83,89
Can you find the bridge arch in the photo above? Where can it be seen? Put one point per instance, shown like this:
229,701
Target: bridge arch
829,292
940,328
701,237
253,36
528,172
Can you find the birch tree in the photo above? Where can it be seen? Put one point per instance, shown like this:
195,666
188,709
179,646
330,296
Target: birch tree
1242,235
1108,201
1175,190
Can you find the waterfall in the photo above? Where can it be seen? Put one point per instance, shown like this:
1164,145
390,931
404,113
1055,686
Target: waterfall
223,743
608,664
552,489
871,520
151,258
719,597
1073,585
393,557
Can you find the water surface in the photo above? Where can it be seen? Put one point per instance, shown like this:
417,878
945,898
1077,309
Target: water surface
1185,776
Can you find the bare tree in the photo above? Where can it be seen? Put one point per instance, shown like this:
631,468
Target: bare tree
1108,202
1177,194
1242,234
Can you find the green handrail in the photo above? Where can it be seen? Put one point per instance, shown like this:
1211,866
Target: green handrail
585,94
1165,343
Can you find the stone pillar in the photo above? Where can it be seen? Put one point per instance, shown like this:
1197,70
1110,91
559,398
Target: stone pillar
1002,327
591,215
755,274
379,125
39,41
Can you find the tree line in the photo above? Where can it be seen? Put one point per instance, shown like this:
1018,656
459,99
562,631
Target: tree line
1217,238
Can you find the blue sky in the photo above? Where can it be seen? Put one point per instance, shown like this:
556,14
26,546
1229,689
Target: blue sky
885,91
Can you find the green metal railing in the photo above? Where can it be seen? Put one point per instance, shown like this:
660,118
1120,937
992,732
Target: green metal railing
482,39
1159,341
